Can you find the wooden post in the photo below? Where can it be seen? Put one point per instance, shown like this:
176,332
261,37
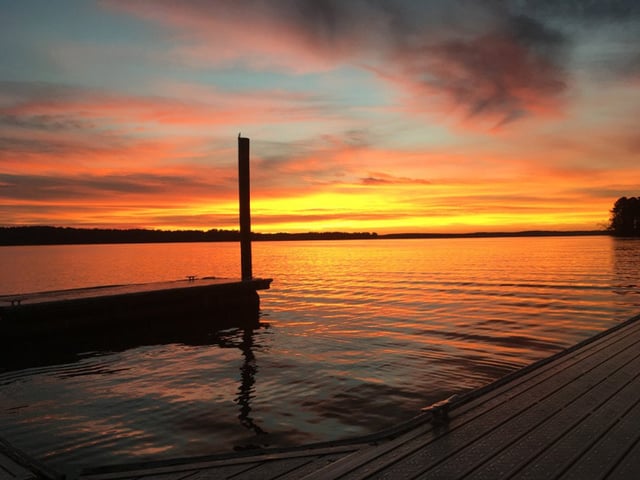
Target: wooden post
245,208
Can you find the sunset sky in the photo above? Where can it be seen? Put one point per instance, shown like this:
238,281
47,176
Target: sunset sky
364,115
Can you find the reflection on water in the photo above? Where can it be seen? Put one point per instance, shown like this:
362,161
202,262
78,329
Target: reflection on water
246,390
356,336
626,262
90,374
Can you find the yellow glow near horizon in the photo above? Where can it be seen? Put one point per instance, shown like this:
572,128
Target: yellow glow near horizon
371,211
451,224
386,208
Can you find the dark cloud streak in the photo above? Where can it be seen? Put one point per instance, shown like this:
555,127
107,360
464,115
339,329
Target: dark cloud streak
506,74
43,188
495,59
376,179
598,10
46,122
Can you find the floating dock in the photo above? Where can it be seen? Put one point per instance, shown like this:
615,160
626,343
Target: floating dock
15,465
573,415
221,302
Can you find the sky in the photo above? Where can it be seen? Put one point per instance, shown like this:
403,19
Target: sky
364,115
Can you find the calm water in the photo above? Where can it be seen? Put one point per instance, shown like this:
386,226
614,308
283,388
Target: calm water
356,336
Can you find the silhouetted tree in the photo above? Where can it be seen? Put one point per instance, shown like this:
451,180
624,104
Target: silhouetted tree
44,235
625,217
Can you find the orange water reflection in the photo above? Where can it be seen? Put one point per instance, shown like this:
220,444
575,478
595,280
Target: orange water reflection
384,327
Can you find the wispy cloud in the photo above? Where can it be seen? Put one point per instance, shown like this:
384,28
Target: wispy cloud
482,57
380,178
140,185
53,107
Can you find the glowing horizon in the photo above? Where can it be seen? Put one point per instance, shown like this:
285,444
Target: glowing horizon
403,116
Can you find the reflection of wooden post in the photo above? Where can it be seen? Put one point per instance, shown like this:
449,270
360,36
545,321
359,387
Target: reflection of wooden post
245,208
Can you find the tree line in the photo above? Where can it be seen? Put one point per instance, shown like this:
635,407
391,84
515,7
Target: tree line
625,217
46,235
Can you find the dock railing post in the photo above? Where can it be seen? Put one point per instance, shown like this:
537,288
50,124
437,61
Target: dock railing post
245,207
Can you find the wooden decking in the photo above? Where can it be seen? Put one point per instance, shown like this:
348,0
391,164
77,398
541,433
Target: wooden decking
574,415
15,465
12,470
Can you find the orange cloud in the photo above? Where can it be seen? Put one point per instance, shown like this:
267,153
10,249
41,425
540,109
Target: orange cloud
55,108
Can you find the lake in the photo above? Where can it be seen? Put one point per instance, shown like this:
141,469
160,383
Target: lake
355,336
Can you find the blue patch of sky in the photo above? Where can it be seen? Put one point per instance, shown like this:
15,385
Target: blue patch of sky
74,20
34,33
346,85
32,30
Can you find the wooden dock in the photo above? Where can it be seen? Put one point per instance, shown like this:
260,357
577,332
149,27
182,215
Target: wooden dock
224,302
573,415
15,465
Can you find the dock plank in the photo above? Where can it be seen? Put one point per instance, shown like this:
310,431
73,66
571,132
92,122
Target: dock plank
471,423
365,457
205,468
311,467
547,419
629,466
17,465
273,469
522,380
621,457
553,445
216,473
11,470
169,476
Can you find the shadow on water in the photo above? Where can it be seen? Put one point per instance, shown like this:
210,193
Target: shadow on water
62,340
246,390
72,346
626,258
68,346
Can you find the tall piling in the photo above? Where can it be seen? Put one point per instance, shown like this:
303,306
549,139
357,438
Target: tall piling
245,207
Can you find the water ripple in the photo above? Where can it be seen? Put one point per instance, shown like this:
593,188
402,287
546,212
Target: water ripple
357,336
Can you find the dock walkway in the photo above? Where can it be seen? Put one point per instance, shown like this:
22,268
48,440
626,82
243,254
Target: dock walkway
573,415
15,465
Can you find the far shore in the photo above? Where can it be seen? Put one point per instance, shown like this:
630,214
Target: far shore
46,235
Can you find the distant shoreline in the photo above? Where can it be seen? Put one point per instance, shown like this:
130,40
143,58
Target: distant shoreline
46,235
525,233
